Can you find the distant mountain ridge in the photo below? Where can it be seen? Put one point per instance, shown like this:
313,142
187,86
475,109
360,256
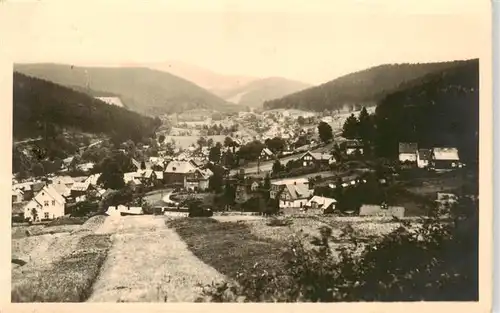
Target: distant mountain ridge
362,88
214,82
255,93
143,90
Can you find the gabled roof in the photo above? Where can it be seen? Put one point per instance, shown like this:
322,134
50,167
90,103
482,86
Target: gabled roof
62,189
405,147
267,151
81,186
322,202
318,155
136,163
299,191
448,154
92,179
53,194
182,167
424,154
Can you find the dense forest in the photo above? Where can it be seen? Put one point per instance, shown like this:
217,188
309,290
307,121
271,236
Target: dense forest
363,88
42,108
143,90
439,109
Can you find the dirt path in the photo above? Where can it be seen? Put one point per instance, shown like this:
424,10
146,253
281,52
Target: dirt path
149,262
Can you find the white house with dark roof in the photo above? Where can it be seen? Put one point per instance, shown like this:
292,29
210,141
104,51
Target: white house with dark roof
266,154
445,159
408,152
316,158
47,203
321,204
423,157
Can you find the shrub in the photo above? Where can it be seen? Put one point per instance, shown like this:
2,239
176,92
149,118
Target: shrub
436,261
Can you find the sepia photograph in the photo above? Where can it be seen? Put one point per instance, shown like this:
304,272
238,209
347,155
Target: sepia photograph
322,154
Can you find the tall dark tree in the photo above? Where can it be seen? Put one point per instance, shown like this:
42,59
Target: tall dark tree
277,167
325,132
350,128
276,144
214,154
161,138
366,129
38,170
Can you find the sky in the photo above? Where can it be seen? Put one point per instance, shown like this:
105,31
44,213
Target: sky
311,41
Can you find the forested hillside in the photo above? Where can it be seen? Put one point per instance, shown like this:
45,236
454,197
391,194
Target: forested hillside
363,88
143,90
440,109
42,108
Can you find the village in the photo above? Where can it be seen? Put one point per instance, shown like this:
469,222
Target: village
253,159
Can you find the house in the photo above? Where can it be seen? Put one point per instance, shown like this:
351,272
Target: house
254,186
278,185
147,177
177,172
294,196
446,199
407,152
67,181
80,188
445,159
46,204
92,179
86,167
120,210
136,164
62,189
17,196
266,154
321,203
316,159
353,146
198,180
423,157
380,211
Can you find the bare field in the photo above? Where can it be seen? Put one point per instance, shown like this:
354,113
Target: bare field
185,141
60,266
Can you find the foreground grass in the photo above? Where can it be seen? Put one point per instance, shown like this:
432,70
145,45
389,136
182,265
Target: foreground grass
228,247
69,279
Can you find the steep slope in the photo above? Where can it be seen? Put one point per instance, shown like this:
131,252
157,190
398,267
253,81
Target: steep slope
143,90
440,109
214,82
255,93
41,106
363,88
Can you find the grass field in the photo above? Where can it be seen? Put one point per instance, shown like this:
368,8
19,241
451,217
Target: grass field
228,247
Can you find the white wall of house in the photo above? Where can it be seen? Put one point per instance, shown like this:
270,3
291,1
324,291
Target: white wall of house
350,151
422,163
407,157
51,207
298,203
28,210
